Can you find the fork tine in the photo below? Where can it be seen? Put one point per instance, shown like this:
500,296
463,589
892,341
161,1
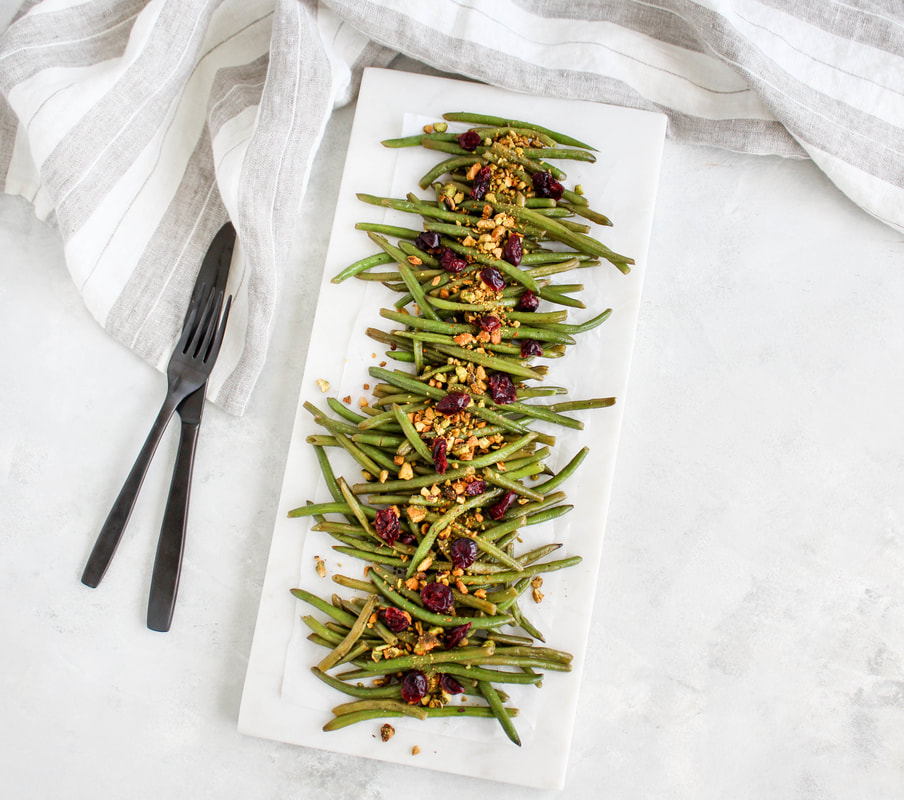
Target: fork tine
208,317
221,329
191,319
210,329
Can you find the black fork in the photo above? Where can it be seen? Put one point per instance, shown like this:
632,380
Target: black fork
188,369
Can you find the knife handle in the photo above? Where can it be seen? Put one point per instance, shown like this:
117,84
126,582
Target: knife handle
111,533
171,544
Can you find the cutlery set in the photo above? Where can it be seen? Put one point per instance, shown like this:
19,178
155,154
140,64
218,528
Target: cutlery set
189,368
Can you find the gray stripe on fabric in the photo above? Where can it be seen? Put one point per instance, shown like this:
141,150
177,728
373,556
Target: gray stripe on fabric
373,55
293,114
72,37
9,124
23,9
637,17
792,45
510,72
751,136
99,148
852,139
862,140
233,90
149,310
845,21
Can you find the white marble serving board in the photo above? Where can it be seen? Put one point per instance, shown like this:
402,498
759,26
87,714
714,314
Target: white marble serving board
281,699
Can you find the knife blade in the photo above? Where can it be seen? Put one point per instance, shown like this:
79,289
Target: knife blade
171,543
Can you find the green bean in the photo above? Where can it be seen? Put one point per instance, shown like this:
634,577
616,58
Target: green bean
324,635
364,555
564,474
380,440
387,230
342,617
320,508
485,119
500,555
447,166
482,673
520,129
449,146
447,711
561,299
525,623
354,583
364,692
344,411
342,649
559,152
418,138
421,208
583,327
353,450
583,405
395,277
376,260
499,711
356,508
383,705
498,479
535,569
587,213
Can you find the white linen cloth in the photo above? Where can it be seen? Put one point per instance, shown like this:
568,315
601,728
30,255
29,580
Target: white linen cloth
138,126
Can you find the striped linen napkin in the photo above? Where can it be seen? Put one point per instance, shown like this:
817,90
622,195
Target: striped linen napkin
138,126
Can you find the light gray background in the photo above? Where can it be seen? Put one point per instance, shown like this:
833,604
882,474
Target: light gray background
748,635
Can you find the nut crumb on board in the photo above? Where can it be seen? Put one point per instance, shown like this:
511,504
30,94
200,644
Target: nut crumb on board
387,732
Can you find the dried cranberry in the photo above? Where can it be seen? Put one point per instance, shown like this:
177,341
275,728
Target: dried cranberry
489,323
469,140
528,301
530,347
406,538
501,388
451,261
394,618
456,634
492,277
437,597
449,685
428,240
453,402
513,251
387,525
440,463
481,183
498,509
547,186
476,487
414,686
463,552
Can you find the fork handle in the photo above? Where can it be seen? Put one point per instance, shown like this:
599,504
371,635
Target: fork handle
111,533
171,544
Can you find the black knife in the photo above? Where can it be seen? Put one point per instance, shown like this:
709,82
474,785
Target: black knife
171,544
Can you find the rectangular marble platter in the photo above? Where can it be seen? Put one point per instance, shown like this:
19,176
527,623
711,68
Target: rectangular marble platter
282,700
